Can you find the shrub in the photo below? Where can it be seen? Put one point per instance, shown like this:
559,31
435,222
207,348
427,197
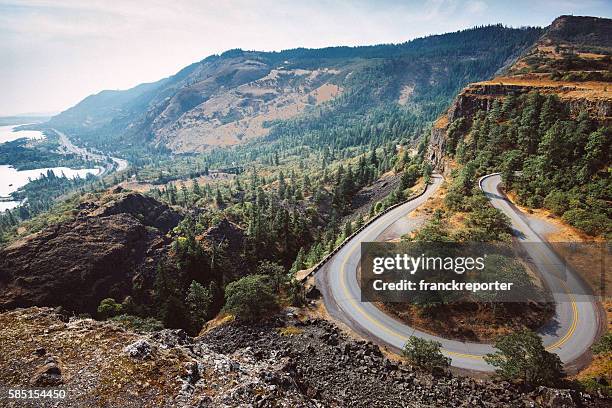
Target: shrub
250,298
138,324
487,223
425,354
604,345
557,202
522,356
109,308
591,222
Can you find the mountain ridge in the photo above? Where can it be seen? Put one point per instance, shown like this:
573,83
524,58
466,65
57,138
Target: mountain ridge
151,112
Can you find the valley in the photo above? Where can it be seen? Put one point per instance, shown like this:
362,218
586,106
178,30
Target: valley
196,240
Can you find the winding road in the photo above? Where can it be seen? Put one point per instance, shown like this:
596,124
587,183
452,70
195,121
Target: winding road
569,334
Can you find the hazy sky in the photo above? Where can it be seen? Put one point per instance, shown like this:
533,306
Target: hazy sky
53,53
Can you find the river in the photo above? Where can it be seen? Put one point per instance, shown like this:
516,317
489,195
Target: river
8,134
11,179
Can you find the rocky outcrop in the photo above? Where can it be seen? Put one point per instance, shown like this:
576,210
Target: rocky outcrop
562,62
148,210
286,362
595,99
481,95
436,148
228,233
110,244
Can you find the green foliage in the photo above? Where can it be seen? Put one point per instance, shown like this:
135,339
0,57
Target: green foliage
409,177
548,157
557,201
250,298
504,269
138,324
109,308
275,272
522,356
425,354
199,300
171,308
593,223
486,223
603,345
433,231
296,293
24,154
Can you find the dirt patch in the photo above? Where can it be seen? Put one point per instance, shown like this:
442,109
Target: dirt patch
326,92
405,94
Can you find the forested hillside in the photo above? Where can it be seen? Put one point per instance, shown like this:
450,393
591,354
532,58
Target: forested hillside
549,158
545,124
240,95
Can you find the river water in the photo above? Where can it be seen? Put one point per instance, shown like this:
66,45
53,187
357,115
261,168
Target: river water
8,134
11,179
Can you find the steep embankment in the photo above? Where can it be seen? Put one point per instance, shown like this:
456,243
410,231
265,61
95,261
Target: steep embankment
571,61
111,246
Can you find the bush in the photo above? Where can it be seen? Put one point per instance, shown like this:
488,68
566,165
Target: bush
591,222
604,345
522,356
250,298
487,223
557,202
409,177
425,354
138,324
454,200
109,308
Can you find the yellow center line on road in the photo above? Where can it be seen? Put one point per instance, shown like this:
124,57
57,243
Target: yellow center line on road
390,331
404,338
575,315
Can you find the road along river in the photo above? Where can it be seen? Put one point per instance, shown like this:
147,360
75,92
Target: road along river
569,334
70,147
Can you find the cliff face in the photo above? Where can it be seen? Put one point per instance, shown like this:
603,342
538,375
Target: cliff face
571,60
592,97
437,144
101,253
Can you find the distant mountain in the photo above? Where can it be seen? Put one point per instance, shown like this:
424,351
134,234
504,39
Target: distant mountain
237,96
24,118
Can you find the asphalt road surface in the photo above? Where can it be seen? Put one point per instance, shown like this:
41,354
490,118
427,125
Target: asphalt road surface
70,147
569,334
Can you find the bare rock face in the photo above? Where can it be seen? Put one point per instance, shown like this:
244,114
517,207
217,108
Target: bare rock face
77,263
436,148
